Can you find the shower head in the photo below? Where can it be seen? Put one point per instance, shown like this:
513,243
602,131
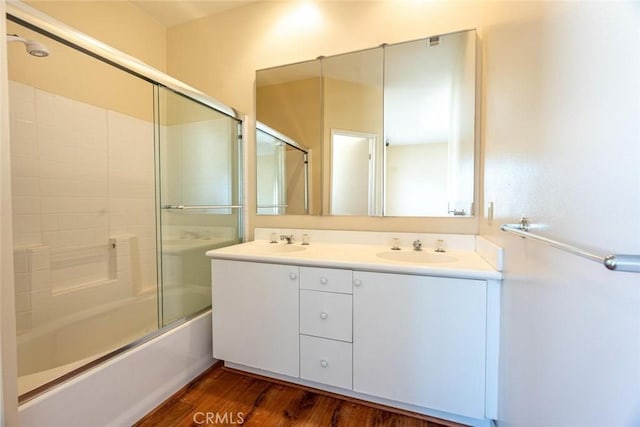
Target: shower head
33,47
37,49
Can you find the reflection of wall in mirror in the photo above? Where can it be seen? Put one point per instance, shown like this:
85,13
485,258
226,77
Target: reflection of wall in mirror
416,180
293,109
430,100
462,122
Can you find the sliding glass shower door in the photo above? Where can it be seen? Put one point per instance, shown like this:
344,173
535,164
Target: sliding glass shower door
119,187
199,192
82,169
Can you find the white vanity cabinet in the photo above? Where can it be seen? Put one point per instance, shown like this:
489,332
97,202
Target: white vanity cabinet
424,343
421,340
255,309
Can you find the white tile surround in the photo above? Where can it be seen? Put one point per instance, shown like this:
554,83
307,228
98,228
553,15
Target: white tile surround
82,180
190,162
462,242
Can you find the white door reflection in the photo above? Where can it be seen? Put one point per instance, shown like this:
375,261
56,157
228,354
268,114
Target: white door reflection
353,173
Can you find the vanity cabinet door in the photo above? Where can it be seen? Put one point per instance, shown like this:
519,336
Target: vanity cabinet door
255,315
421,340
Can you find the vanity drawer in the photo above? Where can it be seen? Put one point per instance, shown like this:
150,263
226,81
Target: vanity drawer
326,314
326,361
326,279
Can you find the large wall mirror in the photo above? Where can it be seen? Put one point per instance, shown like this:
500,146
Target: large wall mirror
289,102
390,130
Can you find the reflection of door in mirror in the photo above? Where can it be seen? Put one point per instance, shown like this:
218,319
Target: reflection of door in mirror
353,173
282,174
352,102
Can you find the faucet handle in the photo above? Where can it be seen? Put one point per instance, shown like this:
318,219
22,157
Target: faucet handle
290,239
395,244
457,212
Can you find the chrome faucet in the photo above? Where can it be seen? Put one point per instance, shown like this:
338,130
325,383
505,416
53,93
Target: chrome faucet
288,238
417,245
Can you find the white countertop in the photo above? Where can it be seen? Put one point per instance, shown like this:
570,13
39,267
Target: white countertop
361,257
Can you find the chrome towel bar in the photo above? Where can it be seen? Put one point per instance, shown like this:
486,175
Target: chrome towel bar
181,207
628,263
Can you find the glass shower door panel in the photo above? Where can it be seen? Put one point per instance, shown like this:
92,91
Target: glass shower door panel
199,199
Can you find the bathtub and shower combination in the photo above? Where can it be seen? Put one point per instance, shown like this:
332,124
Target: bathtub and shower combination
123,177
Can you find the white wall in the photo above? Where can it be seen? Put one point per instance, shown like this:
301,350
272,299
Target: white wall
562,146
265,34
560,143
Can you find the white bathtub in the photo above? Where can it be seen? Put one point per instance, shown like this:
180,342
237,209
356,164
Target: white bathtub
54,349
128,386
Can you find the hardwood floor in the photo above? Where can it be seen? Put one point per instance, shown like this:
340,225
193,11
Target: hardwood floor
223,396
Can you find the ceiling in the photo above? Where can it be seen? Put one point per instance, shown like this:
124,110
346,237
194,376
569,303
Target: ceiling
175,12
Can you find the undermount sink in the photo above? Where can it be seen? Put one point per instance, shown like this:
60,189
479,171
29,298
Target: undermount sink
416,257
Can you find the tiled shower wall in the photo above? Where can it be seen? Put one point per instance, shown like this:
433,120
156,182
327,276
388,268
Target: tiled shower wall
84,204
198,168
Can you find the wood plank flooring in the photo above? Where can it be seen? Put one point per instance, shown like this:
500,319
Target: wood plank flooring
223,396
